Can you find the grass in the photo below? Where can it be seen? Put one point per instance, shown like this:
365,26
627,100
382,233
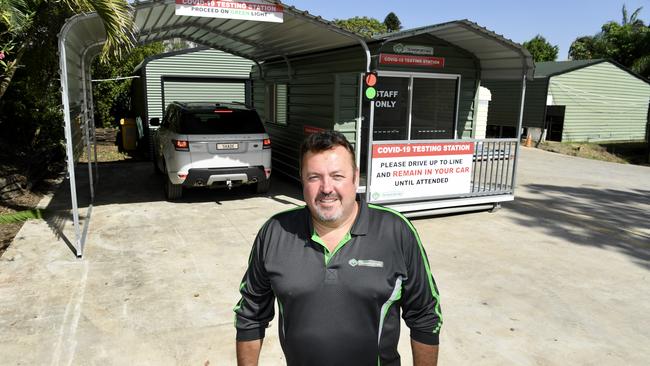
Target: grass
623,153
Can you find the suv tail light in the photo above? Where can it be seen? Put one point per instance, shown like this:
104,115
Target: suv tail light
266,144
181,145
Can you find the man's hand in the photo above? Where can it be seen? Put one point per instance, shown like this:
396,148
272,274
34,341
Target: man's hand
248,353
424,354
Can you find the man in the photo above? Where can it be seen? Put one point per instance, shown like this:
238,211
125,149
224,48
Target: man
340,269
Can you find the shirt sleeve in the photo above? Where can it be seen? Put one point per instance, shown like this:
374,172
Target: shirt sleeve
255,309
420,300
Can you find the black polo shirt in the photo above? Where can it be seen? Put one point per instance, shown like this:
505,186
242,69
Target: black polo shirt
339,308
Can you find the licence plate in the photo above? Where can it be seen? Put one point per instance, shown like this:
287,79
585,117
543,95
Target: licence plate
227,146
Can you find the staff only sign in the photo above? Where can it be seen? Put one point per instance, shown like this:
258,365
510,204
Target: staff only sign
420,170
245,10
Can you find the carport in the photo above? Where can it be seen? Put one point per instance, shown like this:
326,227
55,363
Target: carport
268,44
82,37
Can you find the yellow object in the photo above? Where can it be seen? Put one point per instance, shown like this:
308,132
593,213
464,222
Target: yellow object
129,133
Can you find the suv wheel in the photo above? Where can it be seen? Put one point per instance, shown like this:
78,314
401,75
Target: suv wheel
172,191
263,186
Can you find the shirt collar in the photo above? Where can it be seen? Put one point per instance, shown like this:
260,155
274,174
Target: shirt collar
360,226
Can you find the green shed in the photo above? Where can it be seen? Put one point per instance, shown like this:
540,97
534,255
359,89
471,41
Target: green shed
190,75
583,100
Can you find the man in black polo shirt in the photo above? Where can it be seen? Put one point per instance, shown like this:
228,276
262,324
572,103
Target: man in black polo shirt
341,271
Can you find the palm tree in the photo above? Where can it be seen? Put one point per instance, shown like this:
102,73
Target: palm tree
17,29
633,19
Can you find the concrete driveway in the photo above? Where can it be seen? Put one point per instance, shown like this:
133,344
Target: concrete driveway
560,276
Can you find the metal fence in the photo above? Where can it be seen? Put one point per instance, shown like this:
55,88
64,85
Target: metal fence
494,165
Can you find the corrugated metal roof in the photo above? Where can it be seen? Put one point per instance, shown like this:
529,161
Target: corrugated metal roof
500,58
299,33
549,68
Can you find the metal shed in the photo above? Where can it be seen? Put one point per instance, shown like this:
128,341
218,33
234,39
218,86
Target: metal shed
582,100
190,75
298,39
428,98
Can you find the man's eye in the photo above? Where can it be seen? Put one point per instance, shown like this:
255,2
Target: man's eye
339,177
312,177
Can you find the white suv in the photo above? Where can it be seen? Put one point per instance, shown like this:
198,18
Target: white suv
211,145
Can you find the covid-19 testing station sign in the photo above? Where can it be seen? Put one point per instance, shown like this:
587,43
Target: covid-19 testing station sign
258,10
420,170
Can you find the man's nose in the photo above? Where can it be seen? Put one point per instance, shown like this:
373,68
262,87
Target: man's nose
326,186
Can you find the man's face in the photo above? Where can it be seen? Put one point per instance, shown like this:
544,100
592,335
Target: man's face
329,183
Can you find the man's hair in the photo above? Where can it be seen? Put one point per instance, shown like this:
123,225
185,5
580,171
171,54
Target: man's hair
323,141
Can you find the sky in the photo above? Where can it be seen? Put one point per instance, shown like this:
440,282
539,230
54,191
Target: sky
559,21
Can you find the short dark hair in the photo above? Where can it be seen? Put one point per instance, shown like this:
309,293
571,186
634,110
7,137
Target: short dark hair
323,141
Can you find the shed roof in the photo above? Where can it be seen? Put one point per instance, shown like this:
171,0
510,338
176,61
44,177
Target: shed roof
550,68
500,58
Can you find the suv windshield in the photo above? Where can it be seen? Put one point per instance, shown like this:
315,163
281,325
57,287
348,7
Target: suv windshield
220,121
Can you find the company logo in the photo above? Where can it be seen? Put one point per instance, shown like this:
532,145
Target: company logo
413,49
376,195
365,263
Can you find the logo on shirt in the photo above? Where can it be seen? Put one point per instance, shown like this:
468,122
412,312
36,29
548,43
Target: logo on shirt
365,263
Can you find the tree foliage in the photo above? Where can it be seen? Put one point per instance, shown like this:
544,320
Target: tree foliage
364,26
541,49
112,98
392,22
19,30
627,43
31,127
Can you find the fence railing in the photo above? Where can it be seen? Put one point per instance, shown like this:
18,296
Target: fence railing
493,170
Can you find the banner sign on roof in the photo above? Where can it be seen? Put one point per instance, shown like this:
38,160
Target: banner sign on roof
258,10
409,60
420,170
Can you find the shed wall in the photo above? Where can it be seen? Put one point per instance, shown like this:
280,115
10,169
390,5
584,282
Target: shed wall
458,62
312,100
603,103
504,107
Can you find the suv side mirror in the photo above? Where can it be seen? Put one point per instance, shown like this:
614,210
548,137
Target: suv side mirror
154,121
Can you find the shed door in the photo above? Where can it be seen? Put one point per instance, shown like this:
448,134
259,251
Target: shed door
204,90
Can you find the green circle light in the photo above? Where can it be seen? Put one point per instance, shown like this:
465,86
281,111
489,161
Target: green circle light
371,93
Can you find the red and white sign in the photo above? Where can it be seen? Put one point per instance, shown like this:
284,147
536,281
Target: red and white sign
258,10
420,170
410,60
308,130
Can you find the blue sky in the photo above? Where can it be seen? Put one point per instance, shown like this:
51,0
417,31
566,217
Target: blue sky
559,21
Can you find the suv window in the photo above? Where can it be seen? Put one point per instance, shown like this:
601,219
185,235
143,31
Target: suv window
221,121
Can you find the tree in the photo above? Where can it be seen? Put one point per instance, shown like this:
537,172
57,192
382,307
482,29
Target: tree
392,22
541,49
363,26
19,31
112,98
627,43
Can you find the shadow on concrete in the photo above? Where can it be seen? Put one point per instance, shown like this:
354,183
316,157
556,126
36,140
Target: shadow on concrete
136,182
604,218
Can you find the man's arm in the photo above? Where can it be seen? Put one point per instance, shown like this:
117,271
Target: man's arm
420,300
255,309
248,352
424,354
